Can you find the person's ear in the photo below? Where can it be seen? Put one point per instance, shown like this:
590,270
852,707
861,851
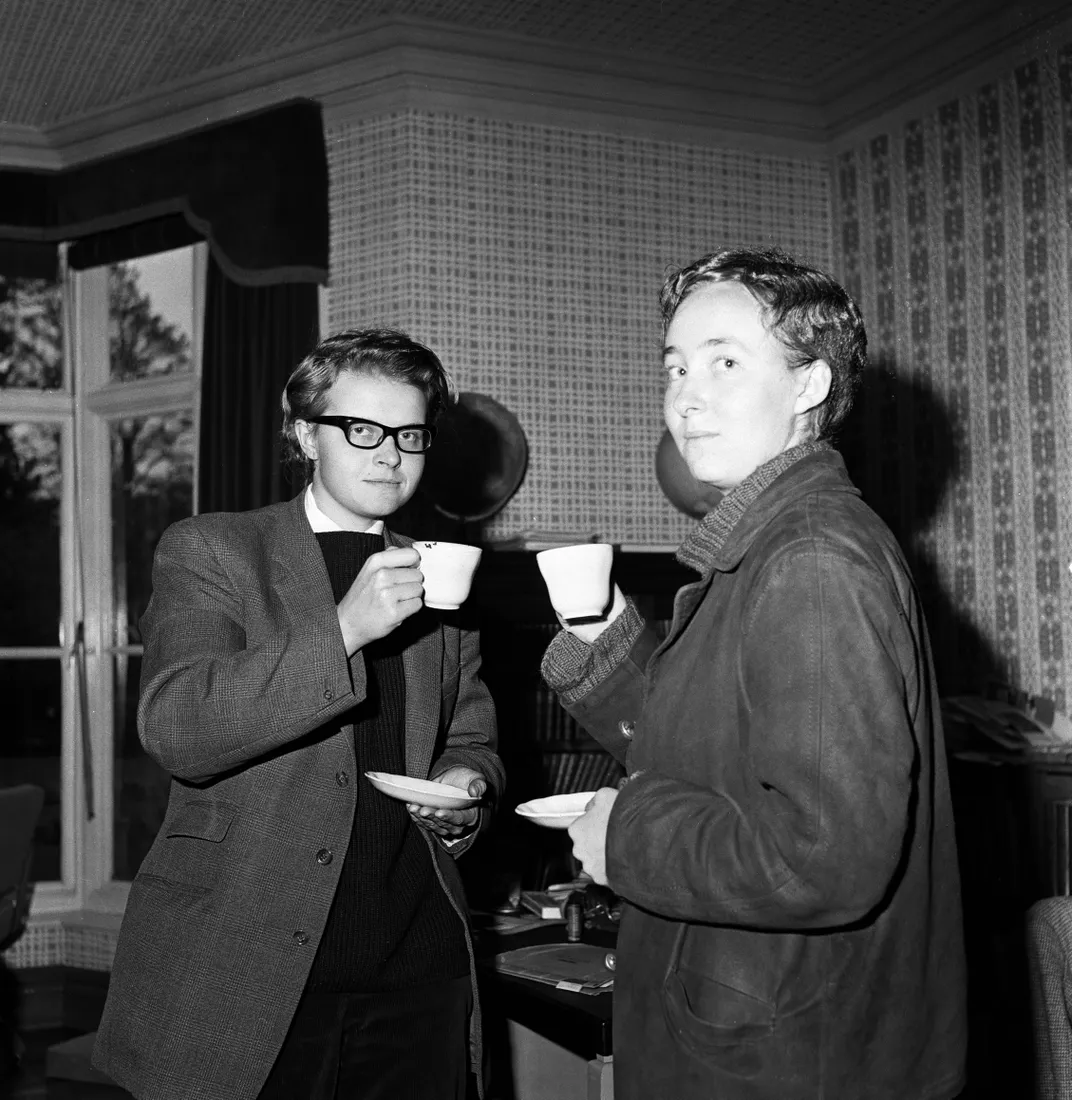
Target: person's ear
815,386
305,433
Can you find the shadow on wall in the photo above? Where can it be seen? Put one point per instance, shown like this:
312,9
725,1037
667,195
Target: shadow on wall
905,452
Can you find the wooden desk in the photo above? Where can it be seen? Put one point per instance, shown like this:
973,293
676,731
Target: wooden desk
1013,813
544,1043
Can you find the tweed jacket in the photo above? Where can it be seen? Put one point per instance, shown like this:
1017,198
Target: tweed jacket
784,836
245,682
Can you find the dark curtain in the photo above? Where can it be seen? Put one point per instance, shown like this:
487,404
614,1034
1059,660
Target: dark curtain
254,338
29,260
256,189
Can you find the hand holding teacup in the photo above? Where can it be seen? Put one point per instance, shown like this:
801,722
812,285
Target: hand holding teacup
578,582
447,569
385,592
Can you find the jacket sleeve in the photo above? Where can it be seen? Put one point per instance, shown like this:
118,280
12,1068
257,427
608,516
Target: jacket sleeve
472,736
211,699
602,685
825,713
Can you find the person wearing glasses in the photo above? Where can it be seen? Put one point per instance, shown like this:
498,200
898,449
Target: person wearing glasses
293,932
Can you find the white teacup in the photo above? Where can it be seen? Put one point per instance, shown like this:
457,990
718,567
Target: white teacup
577,578
448,569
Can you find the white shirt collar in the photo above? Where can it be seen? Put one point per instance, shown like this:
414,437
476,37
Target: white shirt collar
319,522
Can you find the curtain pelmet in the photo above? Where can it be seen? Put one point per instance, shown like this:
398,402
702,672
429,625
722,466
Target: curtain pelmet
255,188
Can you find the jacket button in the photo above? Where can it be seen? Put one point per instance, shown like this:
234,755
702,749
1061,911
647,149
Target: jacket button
626,728
342,778
324,856
328,694
301,937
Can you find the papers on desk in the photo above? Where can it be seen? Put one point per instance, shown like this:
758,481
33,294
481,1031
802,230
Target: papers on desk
576,967
546,904
1005,725
505,924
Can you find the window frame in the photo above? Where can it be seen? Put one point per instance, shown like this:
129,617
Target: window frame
85,406
55,406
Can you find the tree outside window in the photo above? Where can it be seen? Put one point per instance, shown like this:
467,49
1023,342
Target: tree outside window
151,485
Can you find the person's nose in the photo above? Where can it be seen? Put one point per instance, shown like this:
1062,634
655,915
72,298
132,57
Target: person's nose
687,397
388,454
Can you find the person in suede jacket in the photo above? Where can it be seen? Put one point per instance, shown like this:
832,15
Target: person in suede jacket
783,839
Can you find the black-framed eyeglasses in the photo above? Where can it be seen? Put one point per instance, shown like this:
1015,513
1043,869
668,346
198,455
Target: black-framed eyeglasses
413,439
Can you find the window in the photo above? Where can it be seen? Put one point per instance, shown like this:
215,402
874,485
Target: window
34,435
98,425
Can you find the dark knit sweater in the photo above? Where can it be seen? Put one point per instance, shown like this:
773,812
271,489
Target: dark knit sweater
391,925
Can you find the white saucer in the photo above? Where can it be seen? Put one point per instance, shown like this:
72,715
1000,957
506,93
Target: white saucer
558,811
423,791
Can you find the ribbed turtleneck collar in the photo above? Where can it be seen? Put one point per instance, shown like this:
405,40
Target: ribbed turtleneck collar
704,542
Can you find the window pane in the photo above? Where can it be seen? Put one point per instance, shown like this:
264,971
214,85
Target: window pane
31,334
151,315
29,534
141,785
30,749
152,486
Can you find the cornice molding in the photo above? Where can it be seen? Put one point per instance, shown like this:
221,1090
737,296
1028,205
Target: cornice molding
938,57
405,63
716,130
26,147
408,62
894,113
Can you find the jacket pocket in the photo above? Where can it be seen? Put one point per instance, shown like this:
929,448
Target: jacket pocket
713,1008
164,927
190,848
202,820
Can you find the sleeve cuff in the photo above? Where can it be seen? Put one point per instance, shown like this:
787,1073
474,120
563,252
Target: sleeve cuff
573,668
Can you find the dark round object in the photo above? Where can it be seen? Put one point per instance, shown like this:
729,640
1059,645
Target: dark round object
687,494
478,459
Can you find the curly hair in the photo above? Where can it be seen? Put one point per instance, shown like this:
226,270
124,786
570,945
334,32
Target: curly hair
811,314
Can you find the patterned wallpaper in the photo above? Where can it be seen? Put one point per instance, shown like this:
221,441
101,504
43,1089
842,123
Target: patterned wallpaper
530,258
954,231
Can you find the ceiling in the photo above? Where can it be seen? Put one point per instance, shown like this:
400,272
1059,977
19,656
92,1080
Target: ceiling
61,60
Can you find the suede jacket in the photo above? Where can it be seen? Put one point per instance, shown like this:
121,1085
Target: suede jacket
784,837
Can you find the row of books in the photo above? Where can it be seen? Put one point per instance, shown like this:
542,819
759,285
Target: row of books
550,721
566,772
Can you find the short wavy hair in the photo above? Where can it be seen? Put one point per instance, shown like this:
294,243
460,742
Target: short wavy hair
383,352
811,314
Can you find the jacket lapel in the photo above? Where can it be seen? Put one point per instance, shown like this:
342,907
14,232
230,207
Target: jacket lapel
299,575
295,548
